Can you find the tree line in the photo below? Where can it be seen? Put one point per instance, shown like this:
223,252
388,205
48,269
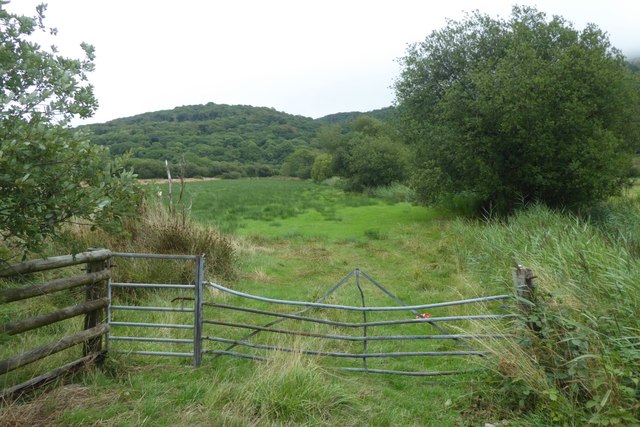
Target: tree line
214,140
490,114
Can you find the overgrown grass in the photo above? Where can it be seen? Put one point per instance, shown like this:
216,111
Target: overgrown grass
230,205
293,388
619,219
394,193
583,365
300,259
161,231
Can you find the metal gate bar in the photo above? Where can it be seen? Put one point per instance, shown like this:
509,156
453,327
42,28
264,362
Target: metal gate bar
355,338
347,355
359,325
304,310
196,342
150,339
364,355
353,308
365,338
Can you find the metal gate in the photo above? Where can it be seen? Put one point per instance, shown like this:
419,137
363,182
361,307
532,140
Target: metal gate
432,329
194,343
219,328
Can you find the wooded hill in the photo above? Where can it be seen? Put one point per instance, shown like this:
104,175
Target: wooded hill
216,139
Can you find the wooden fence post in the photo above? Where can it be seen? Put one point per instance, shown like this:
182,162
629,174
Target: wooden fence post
95,290
526,292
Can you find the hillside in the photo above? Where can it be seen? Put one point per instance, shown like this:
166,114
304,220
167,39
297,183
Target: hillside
344,119
214,139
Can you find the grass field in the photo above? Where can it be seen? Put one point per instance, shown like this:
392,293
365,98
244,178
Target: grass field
294,240
299,239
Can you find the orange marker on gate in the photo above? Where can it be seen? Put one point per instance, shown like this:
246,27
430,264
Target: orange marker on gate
422,316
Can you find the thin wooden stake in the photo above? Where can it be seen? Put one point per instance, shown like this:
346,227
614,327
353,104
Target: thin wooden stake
525,290
170,195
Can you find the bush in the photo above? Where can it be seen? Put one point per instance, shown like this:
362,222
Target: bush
375,161
231,175
524,109
157,230
336,182
147,168
299,164
321,168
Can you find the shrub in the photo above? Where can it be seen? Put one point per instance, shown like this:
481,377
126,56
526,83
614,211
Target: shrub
336,182
375,161
321,168
299,164
231,175
526,108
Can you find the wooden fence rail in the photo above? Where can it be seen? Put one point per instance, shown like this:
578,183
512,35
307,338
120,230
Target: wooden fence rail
91,337
55,262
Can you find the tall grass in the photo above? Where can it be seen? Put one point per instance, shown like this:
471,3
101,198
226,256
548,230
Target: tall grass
291,389
162,231
395,192
583,365
619,219
229,205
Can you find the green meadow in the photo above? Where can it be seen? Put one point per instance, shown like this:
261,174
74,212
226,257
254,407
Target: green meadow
295,240
297,230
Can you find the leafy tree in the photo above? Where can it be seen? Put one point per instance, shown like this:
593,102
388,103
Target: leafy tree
299,163
367,156
367,125
376,161
328,137
147,168
321,168
50,173
505,111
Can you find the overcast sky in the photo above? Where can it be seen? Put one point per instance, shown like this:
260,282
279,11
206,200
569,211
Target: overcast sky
310,58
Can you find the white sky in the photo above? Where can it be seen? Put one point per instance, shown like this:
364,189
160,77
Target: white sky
310,58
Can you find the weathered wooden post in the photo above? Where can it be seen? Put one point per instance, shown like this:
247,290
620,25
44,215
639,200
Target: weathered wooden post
525,290
95,290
